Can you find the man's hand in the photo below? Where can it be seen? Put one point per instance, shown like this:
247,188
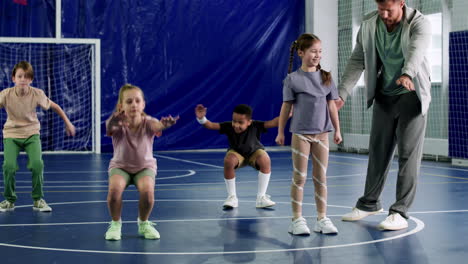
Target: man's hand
406,82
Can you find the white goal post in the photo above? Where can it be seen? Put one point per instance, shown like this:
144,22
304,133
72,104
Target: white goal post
72,65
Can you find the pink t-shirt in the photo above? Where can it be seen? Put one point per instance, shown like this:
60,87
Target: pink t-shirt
22,119
133,151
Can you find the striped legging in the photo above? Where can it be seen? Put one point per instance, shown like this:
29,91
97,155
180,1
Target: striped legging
302,146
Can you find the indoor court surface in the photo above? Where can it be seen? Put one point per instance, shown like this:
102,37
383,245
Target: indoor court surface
195,229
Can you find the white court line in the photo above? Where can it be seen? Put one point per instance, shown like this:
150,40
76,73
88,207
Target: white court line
158,178
419,227
396,162
98,171
189,161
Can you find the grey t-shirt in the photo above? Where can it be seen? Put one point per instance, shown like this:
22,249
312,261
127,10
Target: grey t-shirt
309,97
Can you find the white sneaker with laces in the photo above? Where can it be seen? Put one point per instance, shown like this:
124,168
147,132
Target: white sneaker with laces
357,214
6,206
325,226
299,227
264,201
231,202
393,222
41,206
146,229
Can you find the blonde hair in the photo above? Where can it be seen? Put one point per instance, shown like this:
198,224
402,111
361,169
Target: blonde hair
304,42
123,89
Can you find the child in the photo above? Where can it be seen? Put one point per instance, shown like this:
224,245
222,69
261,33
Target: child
21,132
132,133
244,149
311,92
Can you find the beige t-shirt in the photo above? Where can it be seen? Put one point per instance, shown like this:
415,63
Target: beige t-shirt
22,119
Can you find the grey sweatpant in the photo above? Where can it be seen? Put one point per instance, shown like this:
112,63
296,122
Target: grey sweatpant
396,121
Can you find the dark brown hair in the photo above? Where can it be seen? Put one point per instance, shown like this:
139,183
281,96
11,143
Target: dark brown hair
304,42
26,67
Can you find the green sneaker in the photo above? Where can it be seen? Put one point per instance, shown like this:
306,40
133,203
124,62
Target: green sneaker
41,206
145,228
114,232
6,206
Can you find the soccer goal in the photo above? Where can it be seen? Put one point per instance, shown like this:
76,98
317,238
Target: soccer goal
68,70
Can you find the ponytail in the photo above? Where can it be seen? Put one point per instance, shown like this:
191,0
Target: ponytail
291,55
326,76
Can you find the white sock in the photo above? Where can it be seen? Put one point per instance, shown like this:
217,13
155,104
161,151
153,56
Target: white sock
231,186
263,180
119,221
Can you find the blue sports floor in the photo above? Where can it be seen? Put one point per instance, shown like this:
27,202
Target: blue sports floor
194,228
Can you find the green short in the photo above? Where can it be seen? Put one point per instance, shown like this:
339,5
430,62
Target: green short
132,178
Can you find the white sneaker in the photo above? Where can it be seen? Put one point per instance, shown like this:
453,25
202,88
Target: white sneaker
146,229
299,227
6,206
114,231
231,202
357,214
393,222
264,201
325,226
41,206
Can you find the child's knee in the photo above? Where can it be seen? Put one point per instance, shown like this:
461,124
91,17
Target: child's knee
299,181
114,195
36,165
147,196
230,162
10,167
263,163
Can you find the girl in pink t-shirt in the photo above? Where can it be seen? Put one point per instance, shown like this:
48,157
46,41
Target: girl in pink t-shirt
132,133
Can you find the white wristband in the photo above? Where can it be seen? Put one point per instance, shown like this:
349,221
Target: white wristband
202,121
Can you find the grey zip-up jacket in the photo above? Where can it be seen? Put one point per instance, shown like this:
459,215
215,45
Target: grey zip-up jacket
415,40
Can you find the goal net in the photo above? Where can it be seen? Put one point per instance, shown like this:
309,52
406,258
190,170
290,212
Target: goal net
66,72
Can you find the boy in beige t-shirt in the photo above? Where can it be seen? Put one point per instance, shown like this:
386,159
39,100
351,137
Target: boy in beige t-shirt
21,132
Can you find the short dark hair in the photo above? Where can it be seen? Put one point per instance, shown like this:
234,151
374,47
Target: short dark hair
26,67
243,109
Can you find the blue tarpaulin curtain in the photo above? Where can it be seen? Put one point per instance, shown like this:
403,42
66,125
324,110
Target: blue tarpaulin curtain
181,53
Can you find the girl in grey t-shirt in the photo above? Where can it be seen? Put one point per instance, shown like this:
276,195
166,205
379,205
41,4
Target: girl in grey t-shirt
311,92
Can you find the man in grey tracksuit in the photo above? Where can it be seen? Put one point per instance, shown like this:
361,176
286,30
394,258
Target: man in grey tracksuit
391,49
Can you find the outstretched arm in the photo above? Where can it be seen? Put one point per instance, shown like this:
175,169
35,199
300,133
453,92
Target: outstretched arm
200,112
69,127
116,120
272,123
283,118
165,122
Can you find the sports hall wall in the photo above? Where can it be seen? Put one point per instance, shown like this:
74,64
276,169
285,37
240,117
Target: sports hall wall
180,52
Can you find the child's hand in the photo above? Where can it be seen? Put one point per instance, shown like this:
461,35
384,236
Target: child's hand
71,130
118,119
337,138
169,120
200,111
280,139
